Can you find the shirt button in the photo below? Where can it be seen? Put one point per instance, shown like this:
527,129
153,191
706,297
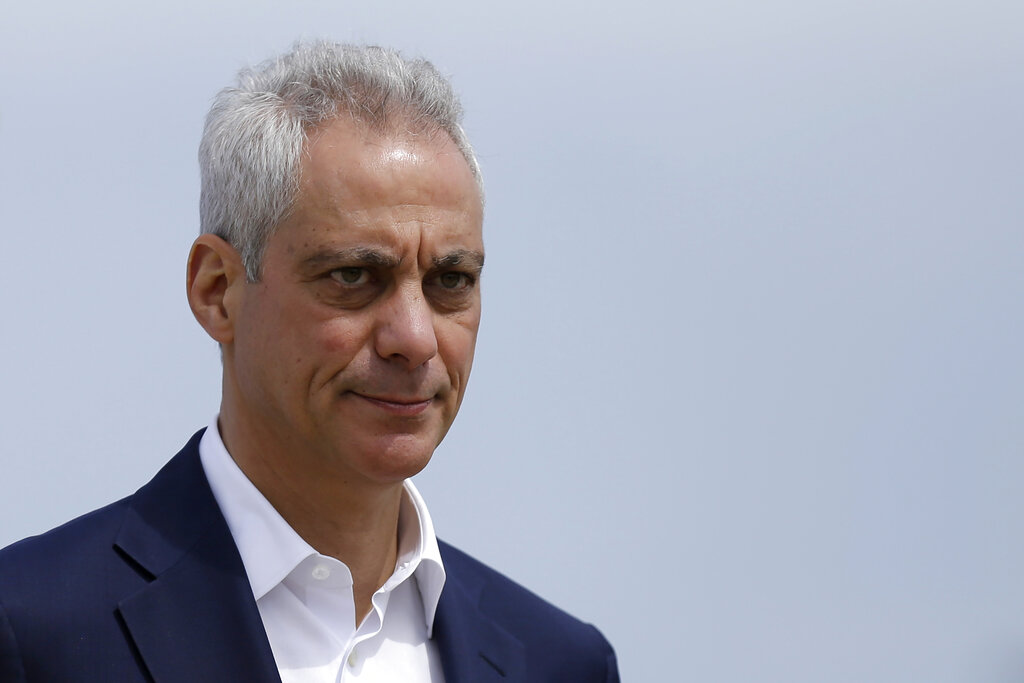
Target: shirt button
353,658
321,572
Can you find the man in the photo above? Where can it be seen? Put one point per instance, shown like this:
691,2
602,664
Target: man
338,268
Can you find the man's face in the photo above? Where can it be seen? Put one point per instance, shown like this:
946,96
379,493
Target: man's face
353,351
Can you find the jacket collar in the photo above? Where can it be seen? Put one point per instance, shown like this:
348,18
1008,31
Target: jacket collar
196,619
473,647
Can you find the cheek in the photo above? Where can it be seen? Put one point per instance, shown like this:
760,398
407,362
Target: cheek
456,344
296,343
341,339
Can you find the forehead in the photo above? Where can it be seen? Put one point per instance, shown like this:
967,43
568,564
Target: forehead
348,166
408,195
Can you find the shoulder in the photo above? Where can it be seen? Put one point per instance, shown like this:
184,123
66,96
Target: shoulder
65,550
53,585
500,594
85,550
60,591
57,594
542,627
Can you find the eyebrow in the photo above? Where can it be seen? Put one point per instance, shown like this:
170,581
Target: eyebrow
473,260
367,256
364,256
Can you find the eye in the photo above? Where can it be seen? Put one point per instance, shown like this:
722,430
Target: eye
351,275
454,280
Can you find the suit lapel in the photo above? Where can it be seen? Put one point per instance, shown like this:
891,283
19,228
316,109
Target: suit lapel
473,648
196,619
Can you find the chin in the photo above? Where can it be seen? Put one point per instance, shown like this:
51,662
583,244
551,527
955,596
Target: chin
398,458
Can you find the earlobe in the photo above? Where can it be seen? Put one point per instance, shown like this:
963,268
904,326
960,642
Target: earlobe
214,272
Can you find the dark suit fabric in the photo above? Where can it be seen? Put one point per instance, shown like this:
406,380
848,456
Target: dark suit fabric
151,588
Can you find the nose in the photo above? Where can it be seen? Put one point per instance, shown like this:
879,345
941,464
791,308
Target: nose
405,331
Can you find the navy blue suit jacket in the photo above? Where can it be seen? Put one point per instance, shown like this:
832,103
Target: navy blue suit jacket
151,588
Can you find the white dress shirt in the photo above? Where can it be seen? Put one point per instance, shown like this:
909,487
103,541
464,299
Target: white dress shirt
305,598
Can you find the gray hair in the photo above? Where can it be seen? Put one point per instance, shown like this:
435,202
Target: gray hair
256,131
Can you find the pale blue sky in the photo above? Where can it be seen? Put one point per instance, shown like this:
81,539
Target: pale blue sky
749,388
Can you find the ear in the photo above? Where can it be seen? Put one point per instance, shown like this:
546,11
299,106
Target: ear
215,277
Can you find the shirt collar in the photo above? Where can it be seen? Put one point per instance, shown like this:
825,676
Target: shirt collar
429,572
270,549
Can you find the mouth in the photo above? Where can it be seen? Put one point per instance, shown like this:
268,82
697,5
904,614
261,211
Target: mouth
398,405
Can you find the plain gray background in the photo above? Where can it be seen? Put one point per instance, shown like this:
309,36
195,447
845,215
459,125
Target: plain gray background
748,391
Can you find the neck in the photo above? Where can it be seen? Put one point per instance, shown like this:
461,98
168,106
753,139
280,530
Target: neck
351,521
